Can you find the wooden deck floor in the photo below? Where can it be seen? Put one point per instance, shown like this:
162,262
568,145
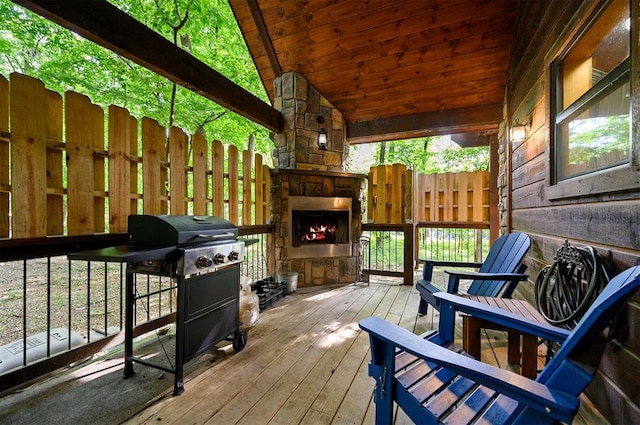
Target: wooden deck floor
305,363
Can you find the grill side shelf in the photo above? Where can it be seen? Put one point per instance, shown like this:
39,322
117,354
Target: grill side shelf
124,254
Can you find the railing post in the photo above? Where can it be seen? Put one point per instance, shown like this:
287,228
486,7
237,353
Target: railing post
408,253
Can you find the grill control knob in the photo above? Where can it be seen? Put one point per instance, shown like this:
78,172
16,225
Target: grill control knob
203,262
219,258
234,255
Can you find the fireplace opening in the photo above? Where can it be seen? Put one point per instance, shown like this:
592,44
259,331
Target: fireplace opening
320,227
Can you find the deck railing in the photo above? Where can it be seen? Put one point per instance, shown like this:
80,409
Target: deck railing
395,250
80,303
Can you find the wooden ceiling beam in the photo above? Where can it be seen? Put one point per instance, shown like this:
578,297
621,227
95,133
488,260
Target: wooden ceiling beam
263,35
106,25
484,118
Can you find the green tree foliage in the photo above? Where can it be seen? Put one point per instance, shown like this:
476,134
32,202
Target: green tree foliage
64,61
424,155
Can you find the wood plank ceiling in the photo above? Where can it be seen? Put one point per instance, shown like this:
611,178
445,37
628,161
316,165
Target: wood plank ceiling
395,68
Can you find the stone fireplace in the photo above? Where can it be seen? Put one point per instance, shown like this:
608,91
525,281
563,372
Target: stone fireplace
316,205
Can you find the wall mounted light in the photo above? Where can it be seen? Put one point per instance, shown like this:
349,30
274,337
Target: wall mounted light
322,134
518,133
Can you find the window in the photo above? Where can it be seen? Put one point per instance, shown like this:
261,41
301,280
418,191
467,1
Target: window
592,96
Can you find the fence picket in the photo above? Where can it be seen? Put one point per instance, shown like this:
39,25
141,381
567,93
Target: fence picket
259,190
178,155
218,178
480,193
96,119
463,197
396,195
200,167
119,170
4,157
80,174
28,157
153,177
134,165
55,184
232,161
397,190
246,187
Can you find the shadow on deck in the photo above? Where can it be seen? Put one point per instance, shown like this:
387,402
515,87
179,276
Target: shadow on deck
305,363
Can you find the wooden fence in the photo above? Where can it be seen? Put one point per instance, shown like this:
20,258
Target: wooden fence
399,196
61,180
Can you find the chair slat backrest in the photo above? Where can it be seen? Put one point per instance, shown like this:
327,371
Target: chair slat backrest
505,256
573,366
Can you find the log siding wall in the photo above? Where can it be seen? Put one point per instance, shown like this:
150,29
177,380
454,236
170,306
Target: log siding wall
600,210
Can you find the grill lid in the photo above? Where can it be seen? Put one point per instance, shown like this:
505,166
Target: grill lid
179,229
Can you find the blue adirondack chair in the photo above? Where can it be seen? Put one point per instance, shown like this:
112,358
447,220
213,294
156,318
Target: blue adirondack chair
433,383
498,275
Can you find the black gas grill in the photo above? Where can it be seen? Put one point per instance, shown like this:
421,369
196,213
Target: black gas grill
202,255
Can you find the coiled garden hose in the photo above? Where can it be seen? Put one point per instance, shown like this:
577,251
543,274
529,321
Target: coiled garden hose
566,289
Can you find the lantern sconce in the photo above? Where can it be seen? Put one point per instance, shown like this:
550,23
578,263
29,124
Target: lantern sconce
518,133
322,134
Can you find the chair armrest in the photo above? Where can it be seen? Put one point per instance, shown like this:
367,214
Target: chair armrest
447,263
427,272
455,276
538,396
488,276
501,317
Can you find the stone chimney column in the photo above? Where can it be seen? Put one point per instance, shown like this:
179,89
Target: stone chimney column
297,146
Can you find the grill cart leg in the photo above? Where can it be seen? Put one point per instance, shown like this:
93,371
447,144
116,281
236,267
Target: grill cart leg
128,326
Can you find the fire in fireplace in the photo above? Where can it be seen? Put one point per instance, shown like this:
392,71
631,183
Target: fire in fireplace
319,227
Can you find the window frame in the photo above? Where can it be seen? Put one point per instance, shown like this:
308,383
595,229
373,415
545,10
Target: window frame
614,178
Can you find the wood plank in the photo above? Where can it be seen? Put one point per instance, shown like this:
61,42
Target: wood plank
178,155
79,124
232,193
372,179
479,211
397,190
380,197
463,197
119,130
247,166
447,196
4,158
96,117
199,148
217,178
134,143
153,156
410,196
55,179
261,209
266,175
28,157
